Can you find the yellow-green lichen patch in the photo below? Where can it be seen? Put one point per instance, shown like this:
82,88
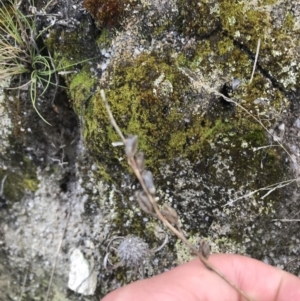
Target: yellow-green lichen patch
267,2
183,252
220,245
218,56
289,22
249,22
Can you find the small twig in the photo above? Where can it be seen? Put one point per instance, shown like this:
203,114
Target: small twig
56,256
270,189
60,162
255,149
255,61
280,185
132,163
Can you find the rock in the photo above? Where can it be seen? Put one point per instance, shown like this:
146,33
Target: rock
82,278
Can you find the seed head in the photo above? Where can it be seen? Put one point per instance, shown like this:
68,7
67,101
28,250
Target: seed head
132,251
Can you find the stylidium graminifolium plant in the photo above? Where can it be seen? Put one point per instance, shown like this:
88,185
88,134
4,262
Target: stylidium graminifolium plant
146,199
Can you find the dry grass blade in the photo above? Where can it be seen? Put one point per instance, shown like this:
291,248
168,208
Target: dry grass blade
132,163
20,53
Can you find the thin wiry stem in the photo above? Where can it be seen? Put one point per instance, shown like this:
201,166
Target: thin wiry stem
255,60
111,117
178,233
56,256
269,188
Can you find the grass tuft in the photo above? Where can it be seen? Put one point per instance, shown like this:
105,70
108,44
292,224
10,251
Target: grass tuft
20,53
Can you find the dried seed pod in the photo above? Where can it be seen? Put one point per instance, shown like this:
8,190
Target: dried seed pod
140,161
204,249
131,145
170,214
148,180
144,202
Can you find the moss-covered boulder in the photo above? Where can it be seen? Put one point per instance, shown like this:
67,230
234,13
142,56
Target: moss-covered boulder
217,161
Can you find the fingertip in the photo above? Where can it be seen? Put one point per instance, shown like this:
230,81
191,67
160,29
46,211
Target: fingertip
257,279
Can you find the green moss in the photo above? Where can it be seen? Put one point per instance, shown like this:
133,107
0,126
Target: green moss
137,107
105,38
289,21
231,30
71,49
81,87
197,18
250,23
19,181
225,45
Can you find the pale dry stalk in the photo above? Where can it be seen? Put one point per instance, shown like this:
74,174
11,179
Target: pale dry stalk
255,60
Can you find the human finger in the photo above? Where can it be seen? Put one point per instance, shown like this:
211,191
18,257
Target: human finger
193,282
